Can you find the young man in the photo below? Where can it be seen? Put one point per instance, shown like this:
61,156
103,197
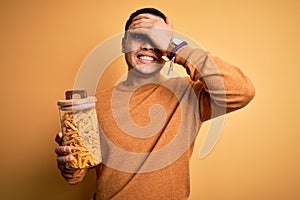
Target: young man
148,123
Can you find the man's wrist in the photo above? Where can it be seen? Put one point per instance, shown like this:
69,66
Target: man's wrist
175,45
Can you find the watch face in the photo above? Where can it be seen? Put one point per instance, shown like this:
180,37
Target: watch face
176,41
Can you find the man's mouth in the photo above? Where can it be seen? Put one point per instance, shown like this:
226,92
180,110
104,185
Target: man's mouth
146,57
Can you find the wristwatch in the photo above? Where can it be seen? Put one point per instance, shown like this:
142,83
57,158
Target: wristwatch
176,41
175,45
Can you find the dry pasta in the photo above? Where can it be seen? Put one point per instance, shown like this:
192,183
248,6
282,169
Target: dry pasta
80,132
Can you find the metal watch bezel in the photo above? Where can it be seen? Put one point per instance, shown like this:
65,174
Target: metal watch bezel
176,41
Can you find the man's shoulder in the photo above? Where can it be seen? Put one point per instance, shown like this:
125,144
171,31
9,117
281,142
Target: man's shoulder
105,92
184,84
180,81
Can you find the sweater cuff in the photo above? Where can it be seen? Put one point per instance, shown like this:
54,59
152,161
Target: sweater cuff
74,176
183,56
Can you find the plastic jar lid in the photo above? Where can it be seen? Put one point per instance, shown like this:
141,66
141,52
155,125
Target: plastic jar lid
72,103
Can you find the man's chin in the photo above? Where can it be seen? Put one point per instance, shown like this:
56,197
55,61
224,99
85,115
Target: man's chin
148,68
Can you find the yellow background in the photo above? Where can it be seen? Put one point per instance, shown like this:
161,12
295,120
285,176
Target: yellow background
43,44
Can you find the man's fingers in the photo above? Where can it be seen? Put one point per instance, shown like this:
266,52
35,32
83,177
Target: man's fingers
155,28
143,23
146,16
62,150
61,160
58,138
147,22
63,153
169,22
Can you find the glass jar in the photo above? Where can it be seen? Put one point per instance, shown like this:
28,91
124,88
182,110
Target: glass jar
79,126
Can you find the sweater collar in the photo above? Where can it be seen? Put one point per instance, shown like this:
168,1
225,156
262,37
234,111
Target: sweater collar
124,86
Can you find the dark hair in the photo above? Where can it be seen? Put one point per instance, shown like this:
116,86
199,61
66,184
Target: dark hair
152,11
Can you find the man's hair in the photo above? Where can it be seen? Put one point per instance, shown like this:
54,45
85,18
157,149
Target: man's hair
152,11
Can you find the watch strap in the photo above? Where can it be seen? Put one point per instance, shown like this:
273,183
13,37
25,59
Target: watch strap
177,48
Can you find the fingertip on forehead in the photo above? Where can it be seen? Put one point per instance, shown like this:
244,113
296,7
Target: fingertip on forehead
145,15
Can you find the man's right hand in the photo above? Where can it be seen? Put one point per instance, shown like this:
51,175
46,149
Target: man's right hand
62,153
72,176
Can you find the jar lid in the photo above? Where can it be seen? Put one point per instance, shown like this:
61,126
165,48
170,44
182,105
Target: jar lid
74,102
76,97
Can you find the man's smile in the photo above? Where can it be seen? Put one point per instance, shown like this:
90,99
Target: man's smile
146,57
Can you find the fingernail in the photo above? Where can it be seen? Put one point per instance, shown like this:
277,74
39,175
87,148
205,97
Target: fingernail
67,149
70,157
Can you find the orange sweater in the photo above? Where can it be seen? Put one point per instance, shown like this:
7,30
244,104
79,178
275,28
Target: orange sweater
148,132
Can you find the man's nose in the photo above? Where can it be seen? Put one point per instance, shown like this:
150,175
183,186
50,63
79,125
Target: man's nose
147,46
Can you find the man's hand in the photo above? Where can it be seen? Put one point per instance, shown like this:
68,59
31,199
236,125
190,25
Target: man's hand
72,176
155,28
62,153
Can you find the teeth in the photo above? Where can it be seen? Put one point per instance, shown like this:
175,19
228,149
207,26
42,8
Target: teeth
146,58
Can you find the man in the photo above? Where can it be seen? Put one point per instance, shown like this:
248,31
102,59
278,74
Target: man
148,123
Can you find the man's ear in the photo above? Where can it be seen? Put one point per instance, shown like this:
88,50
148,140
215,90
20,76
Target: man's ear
123,45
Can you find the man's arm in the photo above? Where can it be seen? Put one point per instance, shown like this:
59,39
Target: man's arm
221,87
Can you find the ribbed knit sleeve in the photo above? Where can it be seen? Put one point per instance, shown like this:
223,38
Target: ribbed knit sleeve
74,176
220,87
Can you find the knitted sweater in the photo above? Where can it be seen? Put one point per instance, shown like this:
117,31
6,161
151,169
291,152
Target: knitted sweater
148,132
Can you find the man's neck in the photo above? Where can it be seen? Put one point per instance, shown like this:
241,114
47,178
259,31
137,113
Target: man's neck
136,78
